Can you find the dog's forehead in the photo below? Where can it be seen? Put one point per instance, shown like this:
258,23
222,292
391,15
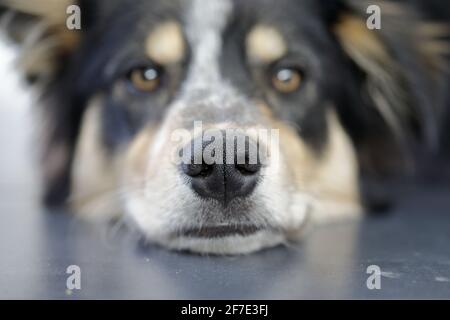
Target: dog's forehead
201,21
207,14
201,17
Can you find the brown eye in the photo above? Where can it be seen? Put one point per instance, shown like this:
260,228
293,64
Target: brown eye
145,79
287,80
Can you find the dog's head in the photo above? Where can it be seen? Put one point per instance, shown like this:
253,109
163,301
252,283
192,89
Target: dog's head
222,126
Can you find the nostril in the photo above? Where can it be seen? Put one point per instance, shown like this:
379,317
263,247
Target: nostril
192,170
248,169
196,170
192,163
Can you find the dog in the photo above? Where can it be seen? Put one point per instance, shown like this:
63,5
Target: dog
143,84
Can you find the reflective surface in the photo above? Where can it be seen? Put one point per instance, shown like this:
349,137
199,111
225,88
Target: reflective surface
410,247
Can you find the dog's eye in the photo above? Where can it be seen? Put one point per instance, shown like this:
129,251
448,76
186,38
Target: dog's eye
287,80
146,79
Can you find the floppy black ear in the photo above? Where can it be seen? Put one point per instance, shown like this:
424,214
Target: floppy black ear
40,28
404,72
45,46
405,63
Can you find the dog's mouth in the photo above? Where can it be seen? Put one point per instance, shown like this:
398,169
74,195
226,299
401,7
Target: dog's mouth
220,231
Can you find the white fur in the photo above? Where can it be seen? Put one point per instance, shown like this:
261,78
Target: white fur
205,23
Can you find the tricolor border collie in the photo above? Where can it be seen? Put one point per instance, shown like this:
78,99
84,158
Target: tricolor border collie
227,126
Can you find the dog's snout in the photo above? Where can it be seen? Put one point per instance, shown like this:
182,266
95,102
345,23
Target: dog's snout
224,172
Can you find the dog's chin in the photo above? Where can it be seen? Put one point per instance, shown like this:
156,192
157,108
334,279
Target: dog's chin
225,244
205,227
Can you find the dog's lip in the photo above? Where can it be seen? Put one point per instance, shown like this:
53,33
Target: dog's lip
220,231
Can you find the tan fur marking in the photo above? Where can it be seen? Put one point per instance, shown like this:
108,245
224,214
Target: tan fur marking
265,44
94,175
334,173
136,161
264,109
52,16
165,44
331,178
369,52
46,38
357,39
337,175
53,11
97,178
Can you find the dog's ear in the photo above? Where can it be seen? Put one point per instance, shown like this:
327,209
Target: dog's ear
403,67
404,63
40,28
46,44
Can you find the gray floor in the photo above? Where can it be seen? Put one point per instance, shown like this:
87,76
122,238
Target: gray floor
411,246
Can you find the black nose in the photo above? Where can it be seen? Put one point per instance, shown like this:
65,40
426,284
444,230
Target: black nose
233,173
